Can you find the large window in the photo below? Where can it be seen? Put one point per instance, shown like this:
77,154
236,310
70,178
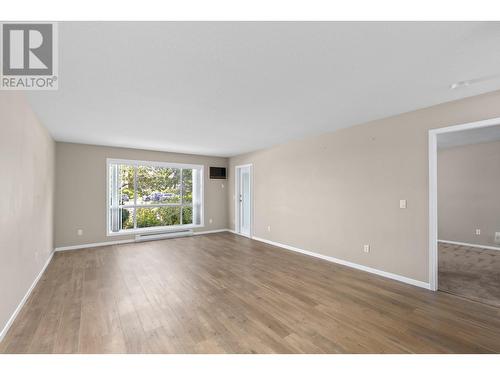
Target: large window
150,195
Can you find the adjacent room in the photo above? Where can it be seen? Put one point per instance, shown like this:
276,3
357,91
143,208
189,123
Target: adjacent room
469,214
250,187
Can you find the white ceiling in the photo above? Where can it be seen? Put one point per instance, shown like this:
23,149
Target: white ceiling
468,137
225,88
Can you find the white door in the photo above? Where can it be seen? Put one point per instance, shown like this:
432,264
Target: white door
244,199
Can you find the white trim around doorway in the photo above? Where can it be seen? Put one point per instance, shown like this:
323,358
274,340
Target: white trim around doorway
433,204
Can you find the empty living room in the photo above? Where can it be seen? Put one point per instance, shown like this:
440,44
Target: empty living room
241,185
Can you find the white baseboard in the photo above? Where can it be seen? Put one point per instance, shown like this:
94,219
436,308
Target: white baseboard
5,329
471,245
210,231
375,271
95,244
109,243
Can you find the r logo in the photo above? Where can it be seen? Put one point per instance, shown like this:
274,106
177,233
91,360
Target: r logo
27,49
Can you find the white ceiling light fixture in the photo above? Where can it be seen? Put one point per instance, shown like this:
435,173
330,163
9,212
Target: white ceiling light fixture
469,82
459,84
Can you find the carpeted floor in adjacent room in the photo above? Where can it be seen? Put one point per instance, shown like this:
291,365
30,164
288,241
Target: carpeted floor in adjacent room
470,272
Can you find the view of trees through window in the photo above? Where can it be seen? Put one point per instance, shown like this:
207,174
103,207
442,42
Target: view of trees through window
143,196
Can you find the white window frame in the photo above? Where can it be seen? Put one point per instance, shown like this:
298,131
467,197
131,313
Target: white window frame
168,228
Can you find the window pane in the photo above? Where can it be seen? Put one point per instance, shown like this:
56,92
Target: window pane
127,218
126,184
121,218
197,194
187,215
158,216
158,185
153,185
187,185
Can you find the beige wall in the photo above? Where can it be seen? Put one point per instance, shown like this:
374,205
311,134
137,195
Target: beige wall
26,203
81,190
469,193
333,193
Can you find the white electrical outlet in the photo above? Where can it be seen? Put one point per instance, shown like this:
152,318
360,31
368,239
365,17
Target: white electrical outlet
222,185
366,248
402,203
497,237
478,232
210,221
79,232
268,228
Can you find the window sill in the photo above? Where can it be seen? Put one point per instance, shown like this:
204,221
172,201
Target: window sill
170,228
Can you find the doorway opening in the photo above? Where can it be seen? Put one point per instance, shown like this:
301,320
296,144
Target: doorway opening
464,224
243,200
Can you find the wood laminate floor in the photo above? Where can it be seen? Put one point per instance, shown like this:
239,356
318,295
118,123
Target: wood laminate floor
222,293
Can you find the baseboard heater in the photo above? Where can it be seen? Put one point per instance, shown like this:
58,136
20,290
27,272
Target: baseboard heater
161,236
